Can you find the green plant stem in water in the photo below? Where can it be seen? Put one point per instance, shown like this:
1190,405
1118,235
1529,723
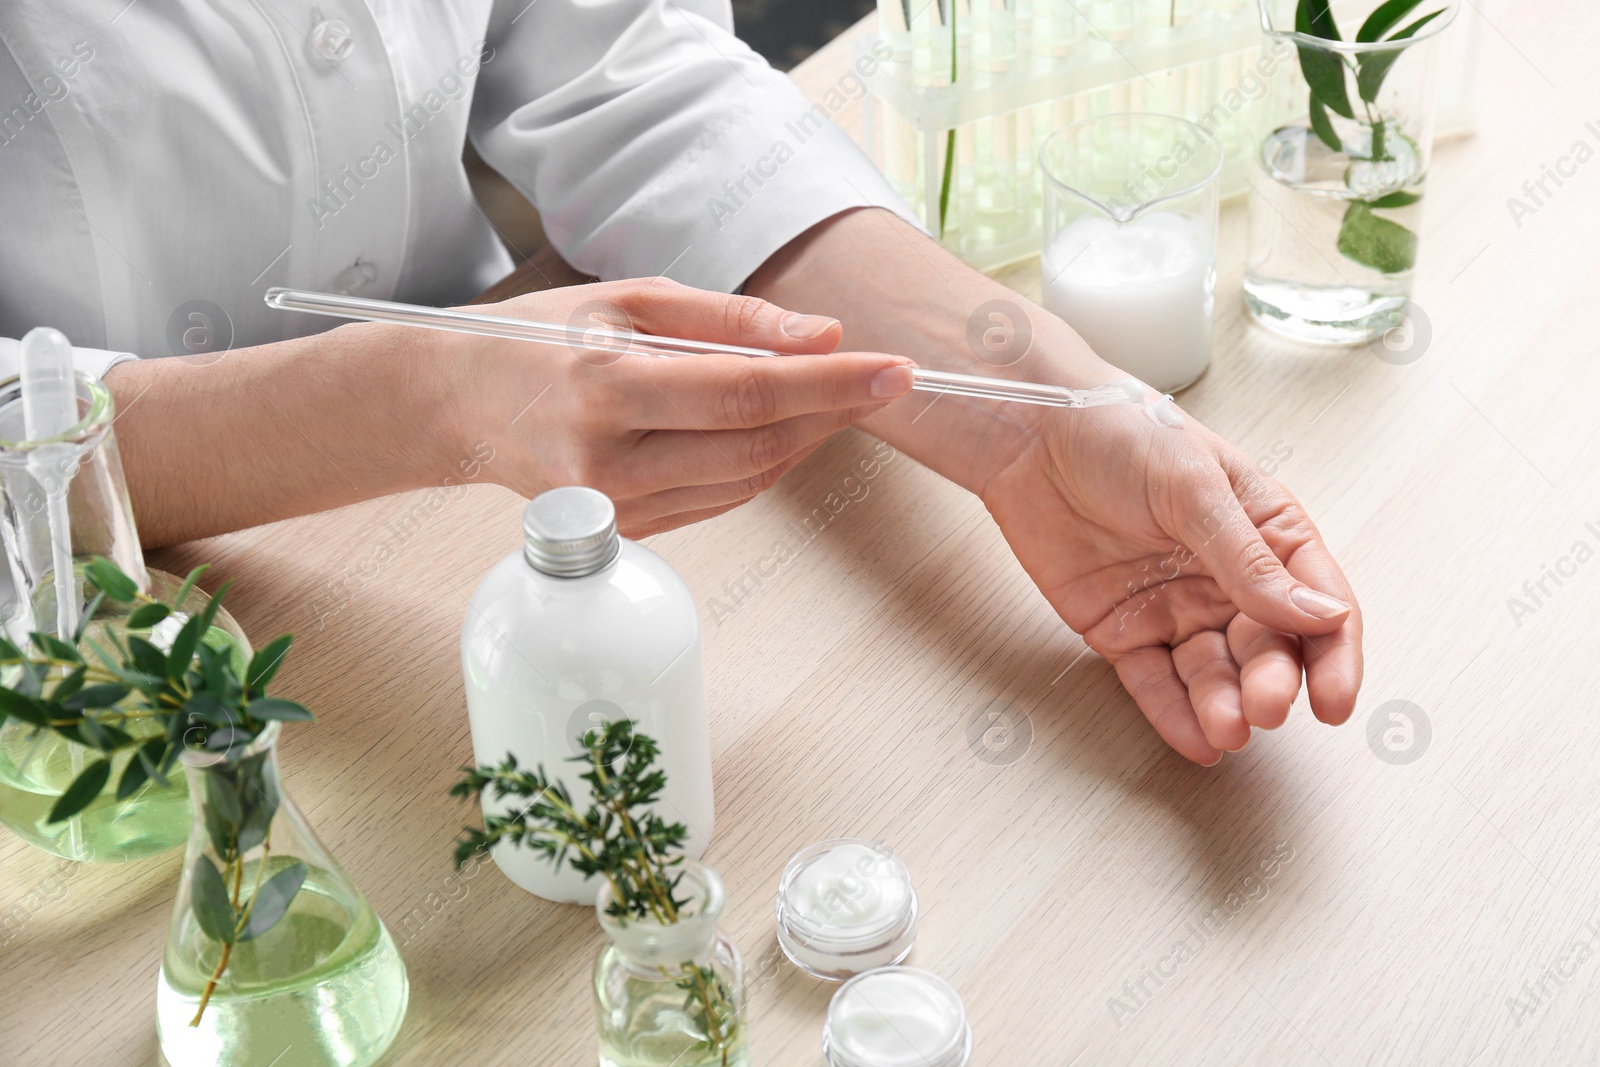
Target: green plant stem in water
950,138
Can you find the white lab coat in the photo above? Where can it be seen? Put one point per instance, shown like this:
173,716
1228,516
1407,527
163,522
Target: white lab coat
163,162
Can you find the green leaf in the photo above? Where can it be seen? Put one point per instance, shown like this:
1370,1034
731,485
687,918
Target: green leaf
1373,67
55,648
90,610
1399,199
102,695
1378,152
25,708
1322,125
271,901
82,791
1385,18
259,795
134,775
182,652
277,709
188,585
1323,70
153,754
223,798
147,658
111,581
102,735
147,615
1376,242
69,685
9,652
264,664
209,898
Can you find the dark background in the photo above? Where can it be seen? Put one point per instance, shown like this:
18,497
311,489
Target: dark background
786,31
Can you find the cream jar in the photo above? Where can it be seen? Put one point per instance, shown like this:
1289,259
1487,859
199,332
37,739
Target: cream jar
846,906
896,1017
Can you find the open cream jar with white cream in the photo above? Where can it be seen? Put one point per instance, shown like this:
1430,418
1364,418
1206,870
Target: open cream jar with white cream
846,906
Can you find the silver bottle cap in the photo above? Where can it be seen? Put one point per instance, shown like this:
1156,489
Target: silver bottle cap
570,532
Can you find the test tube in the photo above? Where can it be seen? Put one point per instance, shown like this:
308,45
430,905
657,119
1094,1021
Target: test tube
894,25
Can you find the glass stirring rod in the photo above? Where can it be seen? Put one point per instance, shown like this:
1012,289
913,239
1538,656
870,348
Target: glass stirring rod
1126,391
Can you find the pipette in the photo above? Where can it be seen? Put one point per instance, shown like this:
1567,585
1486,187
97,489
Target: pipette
1126,391
50,409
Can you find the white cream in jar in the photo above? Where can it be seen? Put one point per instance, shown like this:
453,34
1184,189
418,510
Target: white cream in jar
896,1017
846,906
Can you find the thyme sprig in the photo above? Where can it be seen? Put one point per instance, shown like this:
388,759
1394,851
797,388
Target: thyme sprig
616,836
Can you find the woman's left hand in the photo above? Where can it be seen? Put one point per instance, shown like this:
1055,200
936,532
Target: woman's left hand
1201,579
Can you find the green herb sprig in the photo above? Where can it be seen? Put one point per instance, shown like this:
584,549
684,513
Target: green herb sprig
1369,239
201,698
616,836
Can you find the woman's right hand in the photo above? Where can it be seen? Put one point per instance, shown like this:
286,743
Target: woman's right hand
670,441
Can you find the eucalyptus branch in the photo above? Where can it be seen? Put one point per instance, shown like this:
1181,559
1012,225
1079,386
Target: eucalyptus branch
203,698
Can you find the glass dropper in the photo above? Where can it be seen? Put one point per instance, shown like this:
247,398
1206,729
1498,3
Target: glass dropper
1127,391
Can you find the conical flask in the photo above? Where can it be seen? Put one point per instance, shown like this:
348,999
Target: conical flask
77,475
311,976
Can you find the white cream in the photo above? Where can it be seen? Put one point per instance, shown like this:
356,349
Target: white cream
896,1017
1141,293
846,906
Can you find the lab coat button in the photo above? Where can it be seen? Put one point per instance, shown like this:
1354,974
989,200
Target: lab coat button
332,39
355,278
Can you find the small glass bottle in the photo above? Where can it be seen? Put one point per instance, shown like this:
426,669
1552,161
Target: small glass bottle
324,985
648,1015
578,628
82,471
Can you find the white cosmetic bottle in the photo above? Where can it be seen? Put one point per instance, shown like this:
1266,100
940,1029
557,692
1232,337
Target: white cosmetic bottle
578,628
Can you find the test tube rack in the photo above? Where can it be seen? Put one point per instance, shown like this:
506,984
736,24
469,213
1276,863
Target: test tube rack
1025,68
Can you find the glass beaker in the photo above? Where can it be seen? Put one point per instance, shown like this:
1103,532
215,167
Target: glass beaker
649,1010
322,985
79,476
1130,241
1336,205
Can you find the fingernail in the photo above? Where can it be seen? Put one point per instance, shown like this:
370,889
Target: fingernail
1321,605
805,327
891,381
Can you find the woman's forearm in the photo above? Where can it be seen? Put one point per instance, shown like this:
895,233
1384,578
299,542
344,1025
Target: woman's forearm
897,291
277,430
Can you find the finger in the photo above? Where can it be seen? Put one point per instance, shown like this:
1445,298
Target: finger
666,308
644,527
686,499
672,458
737,392
1205,665
1161,613
1269,671
1333,661
1149,676
1217,528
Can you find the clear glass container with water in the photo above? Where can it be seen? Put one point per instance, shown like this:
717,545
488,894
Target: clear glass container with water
1336,206
77,476
324,985
646,1016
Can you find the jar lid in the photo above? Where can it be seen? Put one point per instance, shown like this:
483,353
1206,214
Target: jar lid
896,1017
845,906
570,532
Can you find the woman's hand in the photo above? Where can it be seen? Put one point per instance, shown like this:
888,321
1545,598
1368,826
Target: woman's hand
671,441
1201,579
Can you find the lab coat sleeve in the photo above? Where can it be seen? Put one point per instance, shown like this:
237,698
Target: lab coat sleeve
654,142
92,361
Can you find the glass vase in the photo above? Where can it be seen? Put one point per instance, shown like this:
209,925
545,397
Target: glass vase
1336,206
323,985
78,476
671,994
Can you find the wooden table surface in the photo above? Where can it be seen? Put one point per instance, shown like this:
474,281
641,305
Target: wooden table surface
1095,899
